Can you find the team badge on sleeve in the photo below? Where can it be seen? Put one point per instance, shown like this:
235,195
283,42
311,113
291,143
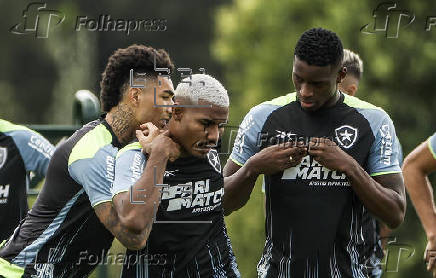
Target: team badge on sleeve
346,136
3,156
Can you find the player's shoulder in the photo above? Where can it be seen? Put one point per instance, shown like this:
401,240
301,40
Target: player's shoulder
6,126
127,150
431,141
374,114
130,159
264,109
89,140
26,139
281,100
363,106
275,103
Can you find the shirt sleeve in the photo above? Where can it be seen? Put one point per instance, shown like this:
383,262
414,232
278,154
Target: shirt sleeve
35,150
129,165
431,142
384,157
400,153
95,174
248,139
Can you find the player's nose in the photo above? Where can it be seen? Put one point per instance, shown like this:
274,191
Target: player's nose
212,134
168,109
306,91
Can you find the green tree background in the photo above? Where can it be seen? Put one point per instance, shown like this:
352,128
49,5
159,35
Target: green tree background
248,44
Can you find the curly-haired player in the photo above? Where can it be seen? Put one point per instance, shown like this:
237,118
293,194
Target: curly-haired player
72,224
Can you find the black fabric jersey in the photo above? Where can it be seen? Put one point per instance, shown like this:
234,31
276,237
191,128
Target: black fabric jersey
21,150
61,235
316,226
188,238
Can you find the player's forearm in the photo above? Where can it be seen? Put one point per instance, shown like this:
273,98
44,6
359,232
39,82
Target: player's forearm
138,207
385,203
238,187
110,219
131,239
421,194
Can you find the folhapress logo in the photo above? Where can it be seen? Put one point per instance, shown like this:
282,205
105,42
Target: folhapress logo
388,20
38,19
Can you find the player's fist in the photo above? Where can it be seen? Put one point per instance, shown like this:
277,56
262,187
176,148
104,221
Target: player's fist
146,135
163,145
328,154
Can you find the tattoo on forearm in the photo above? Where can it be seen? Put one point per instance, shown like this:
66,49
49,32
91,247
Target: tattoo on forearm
125,236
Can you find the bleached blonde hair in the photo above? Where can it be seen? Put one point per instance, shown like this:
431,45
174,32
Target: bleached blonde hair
202,87
353,63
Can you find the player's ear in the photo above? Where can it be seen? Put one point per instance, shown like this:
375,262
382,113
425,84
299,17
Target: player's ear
132,95
341,74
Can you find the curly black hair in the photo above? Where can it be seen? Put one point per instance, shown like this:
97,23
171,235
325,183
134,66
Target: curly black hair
140,58
319,47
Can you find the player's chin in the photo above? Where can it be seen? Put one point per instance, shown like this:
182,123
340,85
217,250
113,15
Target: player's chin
199,152
311,108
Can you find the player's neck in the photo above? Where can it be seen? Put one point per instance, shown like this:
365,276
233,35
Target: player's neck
184,153
333,99
121,124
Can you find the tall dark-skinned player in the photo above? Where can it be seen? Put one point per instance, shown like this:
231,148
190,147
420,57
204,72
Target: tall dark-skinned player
328,160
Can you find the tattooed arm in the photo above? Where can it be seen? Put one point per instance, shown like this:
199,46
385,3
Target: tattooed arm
131,239
136,197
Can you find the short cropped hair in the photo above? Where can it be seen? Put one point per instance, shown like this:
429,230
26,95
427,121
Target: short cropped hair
319,47
353,63
202,87
116,75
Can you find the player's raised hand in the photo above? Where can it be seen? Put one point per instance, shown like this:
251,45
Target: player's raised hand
146,135
327,153
277,158
164,145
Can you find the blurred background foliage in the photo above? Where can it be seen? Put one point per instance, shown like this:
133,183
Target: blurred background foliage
248,45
